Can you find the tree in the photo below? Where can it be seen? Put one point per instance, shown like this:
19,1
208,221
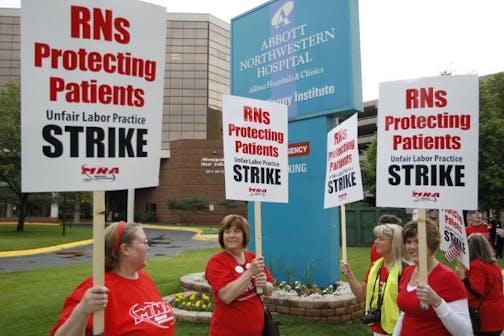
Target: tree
491,143
10,146
368,167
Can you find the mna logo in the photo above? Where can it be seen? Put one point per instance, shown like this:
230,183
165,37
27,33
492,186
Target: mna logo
281,17
99,173
342,196
257,191
422,196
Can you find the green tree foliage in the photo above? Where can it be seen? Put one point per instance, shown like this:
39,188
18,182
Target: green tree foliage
188,203
10,146
368,167
491,143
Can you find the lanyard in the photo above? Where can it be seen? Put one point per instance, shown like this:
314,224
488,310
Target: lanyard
381,292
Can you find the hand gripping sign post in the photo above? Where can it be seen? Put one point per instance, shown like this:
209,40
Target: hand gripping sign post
427,155
343,174
91,92
255,154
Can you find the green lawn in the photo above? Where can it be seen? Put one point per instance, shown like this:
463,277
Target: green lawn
31,300
36,236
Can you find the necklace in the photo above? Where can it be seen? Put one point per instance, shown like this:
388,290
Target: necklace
241,265
239,260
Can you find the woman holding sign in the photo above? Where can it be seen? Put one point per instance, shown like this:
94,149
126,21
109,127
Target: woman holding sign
483,282
234,275
447,312
133,305
380,286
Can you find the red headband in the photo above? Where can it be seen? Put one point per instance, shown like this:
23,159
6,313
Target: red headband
119,234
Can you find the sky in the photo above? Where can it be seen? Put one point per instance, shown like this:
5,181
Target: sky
400,39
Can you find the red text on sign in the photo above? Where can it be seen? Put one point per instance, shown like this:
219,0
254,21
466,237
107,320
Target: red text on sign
256,115
425,97
98,25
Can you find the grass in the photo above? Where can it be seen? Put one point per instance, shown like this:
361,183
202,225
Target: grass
204,229
36,236
31,300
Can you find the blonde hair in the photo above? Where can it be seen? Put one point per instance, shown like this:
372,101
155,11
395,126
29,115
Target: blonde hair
394,232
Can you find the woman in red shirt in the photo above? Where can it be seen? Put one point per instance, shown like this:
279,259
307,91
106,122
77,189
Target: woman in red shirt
478,225
234,275
483,281
132,303
447,312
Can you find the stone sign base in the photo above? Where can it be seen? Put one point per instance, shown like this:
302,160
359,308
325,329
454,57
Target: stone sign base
328,308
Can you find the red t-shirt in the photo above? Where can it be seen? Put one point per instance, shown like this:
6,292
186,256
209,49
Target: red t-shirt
374,255
482,228
486,279
134,307
244,316
421,322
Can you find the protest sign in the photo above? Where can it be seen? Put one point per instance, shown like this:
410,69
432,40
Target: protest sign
92,78
427,155
343,174
255,150
453,236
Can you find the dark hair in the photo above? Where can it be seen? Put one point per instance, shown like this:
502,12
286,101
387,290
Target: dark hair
111,256
389,219
479,248
410,230
240,222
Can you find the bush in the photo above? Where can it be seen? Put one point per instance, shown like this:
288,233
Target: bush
188,203
146,217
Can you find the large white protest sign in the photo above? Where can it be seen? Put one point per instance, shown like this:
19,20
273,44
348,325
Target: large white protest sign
453,236
427,154
343,174
92,94
255,150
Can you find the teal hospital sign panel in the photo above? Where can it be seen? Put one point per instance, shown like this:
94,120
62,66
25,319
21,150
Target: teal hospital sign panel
306,55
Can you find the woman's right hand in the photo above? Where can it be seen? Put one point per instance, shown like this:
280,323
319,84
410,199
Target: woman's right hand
345,268
257,265
95,299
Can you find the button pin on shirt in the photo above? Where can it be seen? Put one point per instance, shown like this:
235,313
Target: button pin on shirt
239,269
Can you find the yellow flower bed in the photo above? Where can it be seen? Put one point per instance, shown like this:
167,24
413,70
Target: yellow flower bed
193,302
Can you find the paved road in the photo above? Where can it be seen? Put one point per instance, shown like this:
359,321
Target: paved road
164,243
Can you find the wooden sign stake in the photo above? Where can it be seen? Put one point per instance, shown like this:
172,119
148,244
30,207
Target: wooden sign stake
343,233
258,235
98,254
422,251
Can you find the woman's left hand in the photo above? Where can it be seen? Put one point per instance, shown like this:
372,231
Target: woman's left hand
261,280
428,296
